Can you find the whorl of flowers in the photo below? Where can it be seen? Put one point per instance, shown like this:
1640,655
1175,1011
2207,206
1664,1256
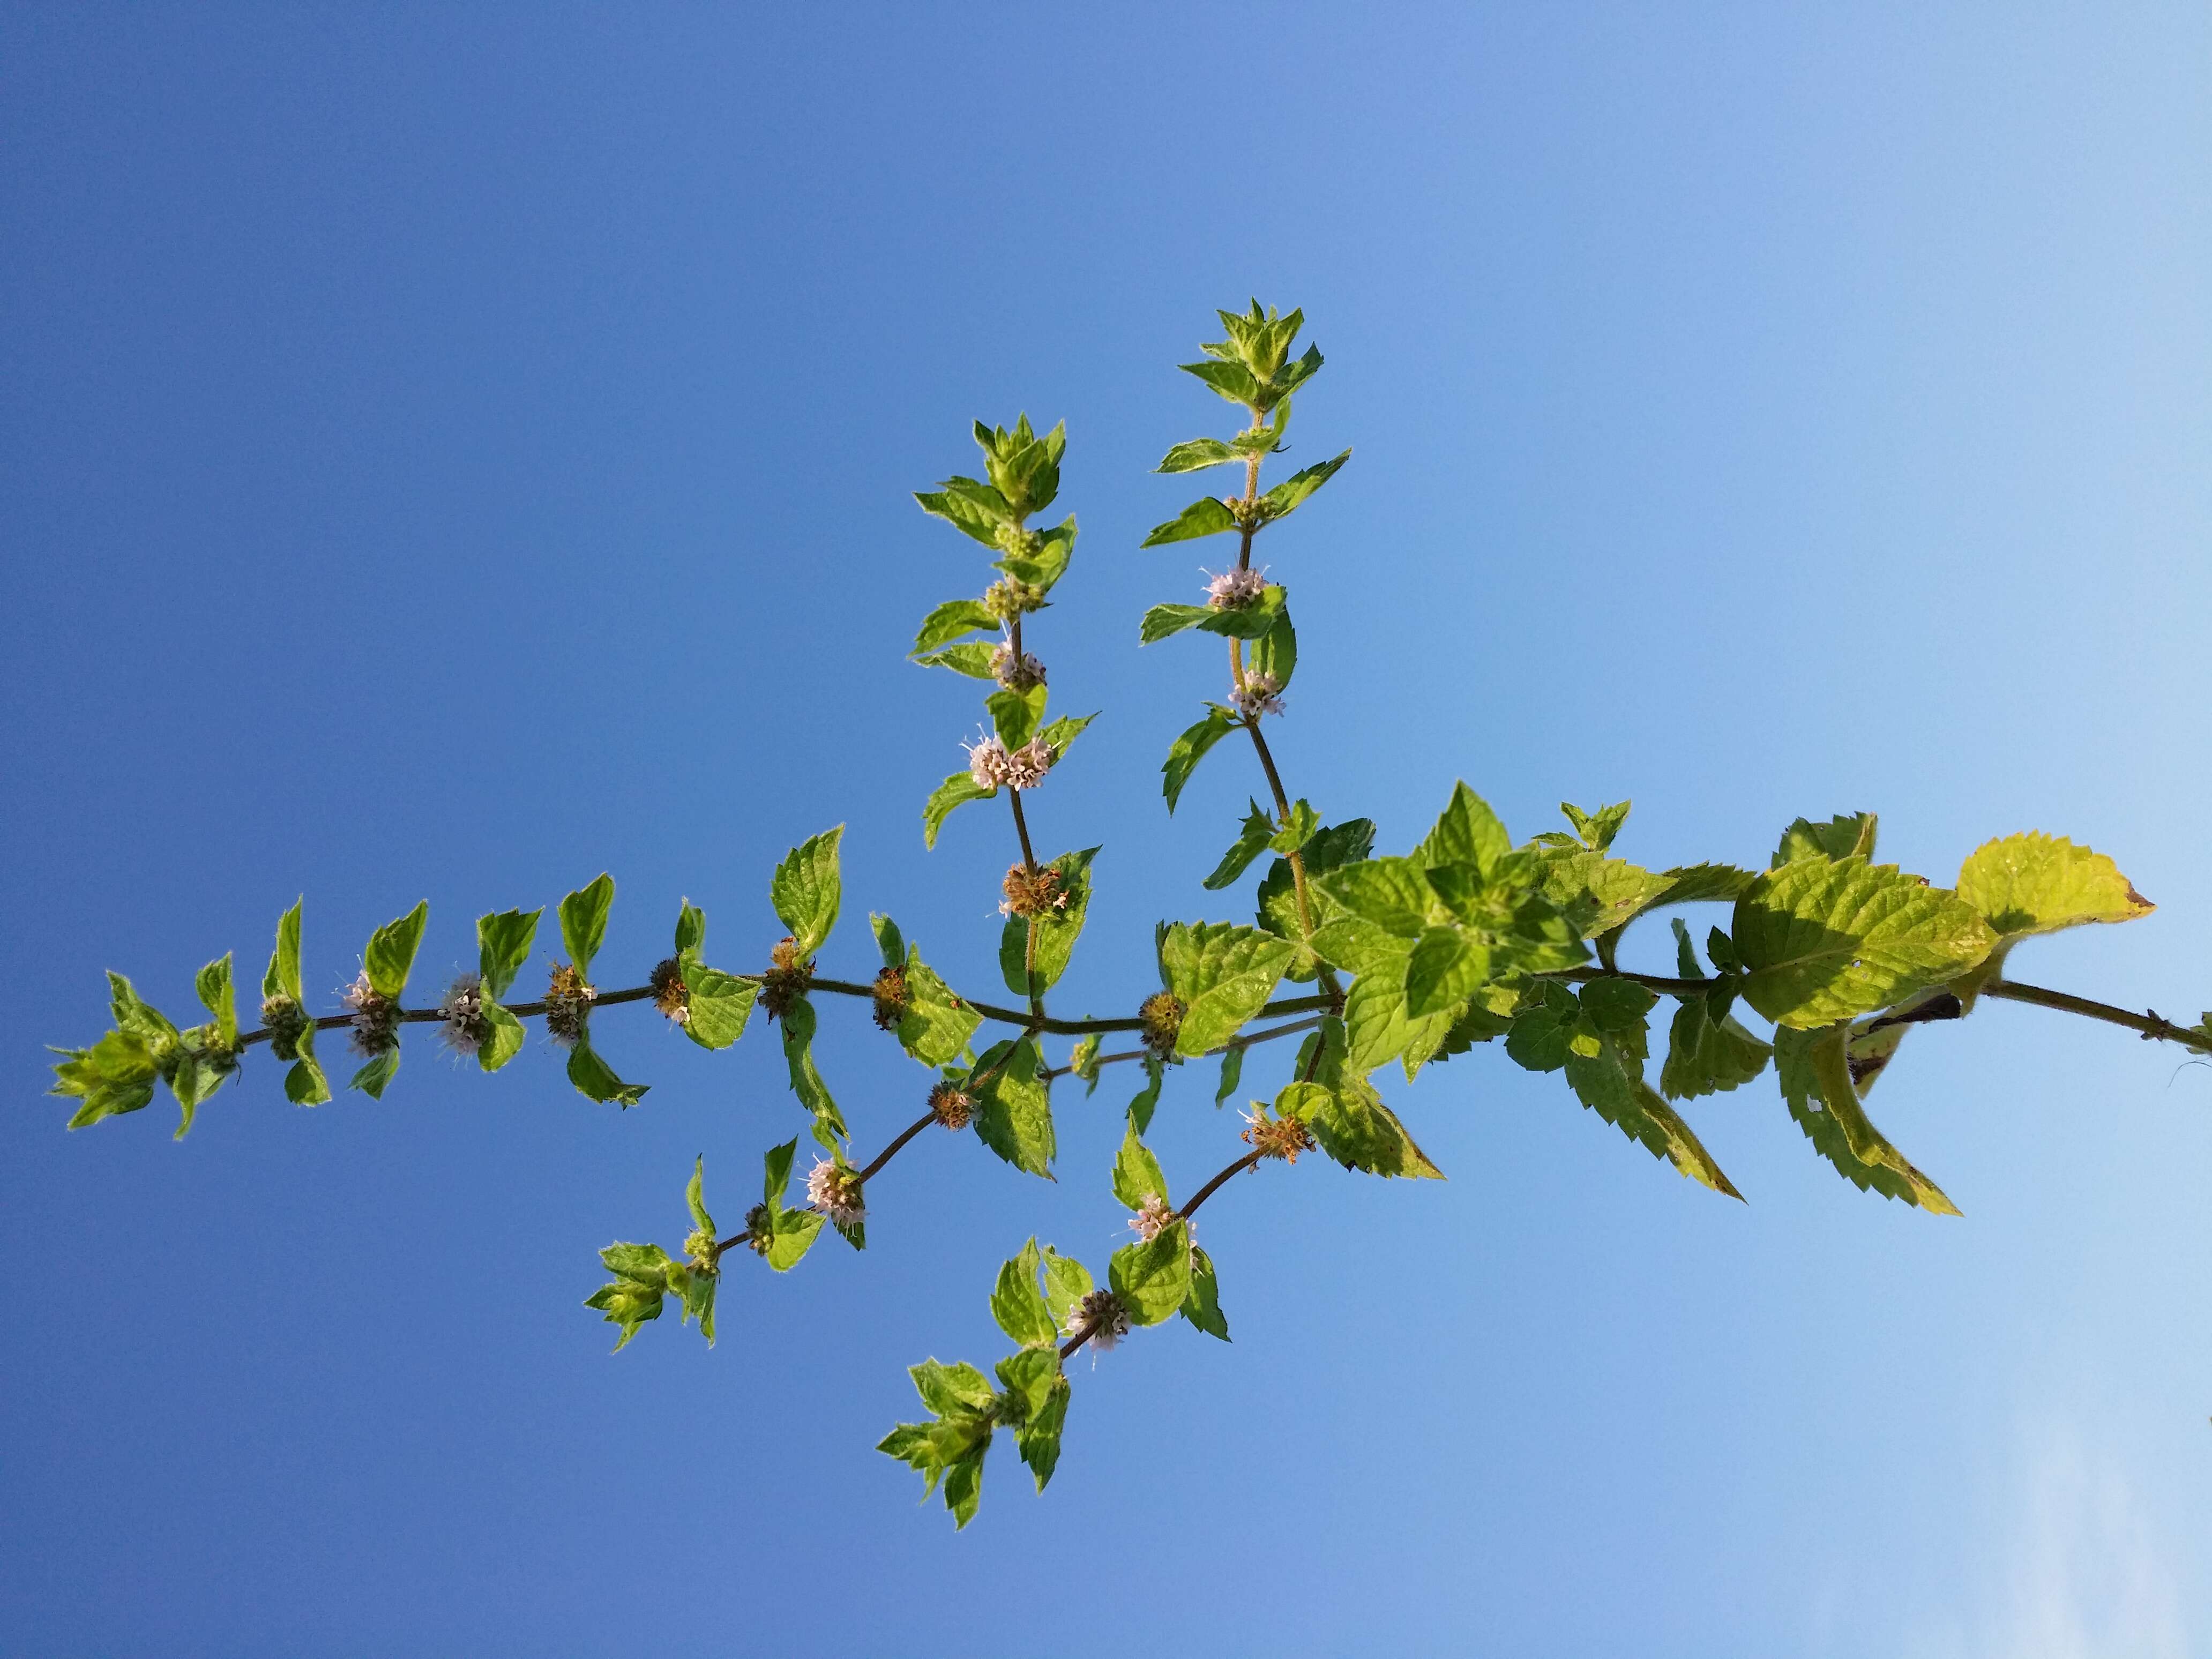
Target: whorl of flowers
1160,1018
670,993
376,1018
1100,1319
462,1007
889,993
702,1252
952,1105
1152,1215
836,1193
992,764
758,1235
286,1022
1032,892
568,1005
1007,598
785,980
1236,590
1015,673
1276,1137
1261,694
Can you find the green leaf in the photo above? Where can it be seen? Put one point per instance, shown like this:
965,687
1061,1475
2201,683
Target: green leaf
1378,1029
584,920
1359,1132
1018,1305
643,1274
1165,621
283,979
1015,715
805,890
776,1171
889,940
690,932
1233,381
1197,454
1393,893
718,1004
1596,829
972,659
503,1037
950,1389
1232,1072
391,953
1275,653
1083,1061
305,1084
956,791
1147,1098
1224,974
1843,836
799,1022
1297,828
1209,517
979,519
2039,883
1053,550
596,1080
950,621
1707,1056
1056,932
695,1197
218,996
1066,1282
1444,969
1154,1279
1251,842
370,1078
1202,1307
1466,832
1189,749
1815,1070
1014,1107
1137,1174
1824,939
697,1291
936,1025
792,1233
503,942
1598,895
1246,621
1038,1438
1287,497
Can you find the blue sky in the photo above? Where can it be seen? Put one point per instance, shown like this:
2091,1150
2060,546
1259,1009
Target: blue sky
448,455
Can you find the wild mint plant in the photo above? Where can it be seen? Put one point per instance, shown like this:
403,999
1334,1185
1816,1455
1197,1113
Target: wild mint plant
1467,939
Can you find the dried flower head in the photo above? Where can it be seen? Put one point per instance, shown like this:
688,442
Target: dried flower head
568,1005
465,1028
670,993
701,1251
786,979
835,1191
952,1105
376,1018
1032,892
1161,1020
1261,694
1236,590
889,993
1007,598
1100,1319
286,1022
1016,673
1276,1137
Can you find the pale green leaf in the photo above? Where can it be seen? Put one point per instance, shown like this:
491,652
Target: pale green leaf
1224,974
807,889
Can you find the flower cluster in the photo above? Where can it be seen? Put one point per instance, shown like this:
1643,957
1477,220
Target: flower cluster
1276,1137
785,980
888,992
1032,891
1007,598
671,995
952,1105
286,1022
1261,694
835,1191
702,1253
1152,1215
376,1018
464,1028
760,1232
992,764
1160,1018
1015,672
568,1005
1236,590
1099,1319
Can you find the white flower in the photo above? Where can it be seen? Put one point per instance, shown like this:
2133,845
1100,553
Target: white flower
1261,694
836,1193
991,764
375,1017
1236,590
463,1007
1151,1215
1100,1319
1015,673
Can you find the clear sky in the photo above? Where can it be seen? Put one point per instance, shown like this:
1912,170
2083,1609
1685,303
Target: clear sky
450,453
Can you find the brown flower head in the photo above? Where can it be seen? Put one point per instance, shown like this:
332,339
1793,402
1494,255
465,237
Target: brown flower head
953,1108
670,993
1161,1019
889,993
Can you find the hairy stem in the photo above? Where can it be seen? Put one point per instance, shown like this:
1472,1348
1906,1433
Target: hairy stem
1249,1161
889,1152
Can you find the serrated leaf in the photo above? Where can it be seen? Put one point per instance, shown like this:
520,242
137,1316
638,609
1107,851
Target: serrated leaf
950,621
502,1040
1394,893
1611,1085
1191,748
1165,621
1845,835
596,1080
1202,1307
1147,1098
1137,1174
950,1389
1814,1071
936,1025
1196,455
1251,841
1018,1305
1015,715
798,1024
807,889
960,509
1224,974
1014,1107
1231,380
2037,884
1153,1278
305,1084
391,953
1275,653
956,791
1056,931
372,1079
1466,832
792,1233
1209,517
718,1004
1706,1056
1038,1438
1823,940
1596,829
1287,497
972,659
503,942
1232,1070
889,940
690,932
283,979
1358,1130
217,995
1596,894
695,1197
1066,1282
584,920
1444,969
